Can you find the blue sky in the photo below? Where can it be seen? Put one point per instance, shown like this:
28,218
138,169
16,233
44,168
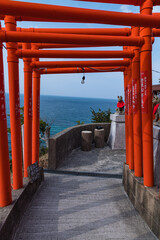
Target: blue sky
98,85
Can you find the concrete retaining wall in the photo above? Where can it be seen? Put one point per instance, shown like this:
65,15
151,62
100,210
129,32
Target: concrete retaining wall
11,215
64,142
144,199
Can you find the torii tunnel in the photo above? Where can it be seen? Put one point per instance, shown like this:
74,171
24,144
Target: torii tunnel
135,62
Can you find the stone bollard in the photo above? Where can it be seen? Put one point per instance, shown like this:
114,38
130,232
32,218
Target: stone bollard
86,140
99,138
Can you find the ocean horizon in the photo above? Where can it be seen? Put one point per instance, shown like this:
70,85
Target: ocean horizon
75,97
61,112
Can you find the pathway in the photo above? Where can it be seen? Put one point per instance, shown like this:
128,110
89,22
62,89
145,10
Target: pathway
83,207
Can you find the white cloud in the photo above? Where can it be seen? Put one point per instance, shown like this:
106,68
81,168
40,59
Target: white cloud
156,9
125,8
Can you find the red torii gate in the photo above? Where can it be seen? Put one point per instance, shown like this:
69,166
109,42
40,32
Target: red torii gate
74,15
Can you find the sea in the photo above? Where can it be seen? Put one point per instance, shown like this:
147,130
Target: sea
63,112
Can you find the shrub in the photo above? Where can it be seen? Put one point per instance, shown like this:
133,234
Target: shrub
100,116
42,151
79,122
43,126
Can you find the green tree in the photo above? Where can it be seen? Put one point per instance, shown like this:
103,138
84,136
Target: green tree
79,122
100,116
43,126
42,151
22,115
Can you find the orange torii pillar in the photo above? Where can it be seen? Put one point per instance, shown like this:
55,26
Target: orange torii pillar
130,119
126,114
125,73
136,106
13,75
36,113
146,97
27,111
5,182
